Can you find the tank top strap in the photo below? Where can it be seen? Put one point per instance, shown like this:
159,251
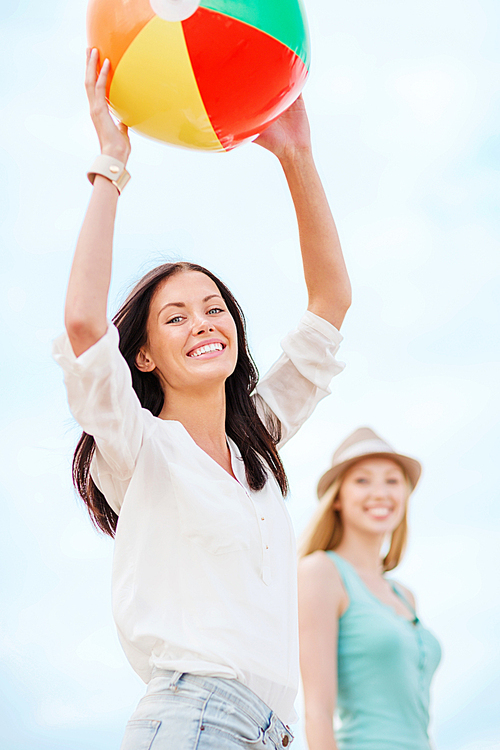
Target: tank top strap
353,584
397,590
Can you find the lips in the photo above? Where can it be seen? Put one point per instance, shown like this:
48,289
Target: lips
206,348
379,511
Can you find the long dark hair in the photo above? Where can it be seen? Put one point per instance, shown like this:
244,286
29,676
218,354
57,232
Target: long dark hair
256,441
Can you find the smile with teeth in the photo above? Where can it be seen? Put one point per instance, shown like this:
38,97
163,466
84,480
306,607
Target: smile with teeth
216,347
379,511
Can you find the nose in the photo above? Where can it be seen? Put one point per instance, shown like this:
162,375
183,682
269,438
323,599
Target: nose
380,491
201,325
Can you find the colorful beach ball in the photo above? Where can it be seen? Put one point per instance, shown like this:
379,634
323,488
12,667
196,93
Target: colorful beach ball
205,74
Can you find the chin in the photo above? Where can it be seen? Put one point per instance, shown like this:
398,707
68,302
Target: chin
382,527
214,372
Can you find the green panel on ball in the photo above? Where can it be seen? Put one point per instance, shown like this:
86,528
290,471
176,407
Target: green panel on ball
285,20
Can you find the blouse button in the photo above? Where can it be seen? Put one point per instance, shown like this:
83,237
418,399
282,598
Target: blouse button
262,518
267,547
285,740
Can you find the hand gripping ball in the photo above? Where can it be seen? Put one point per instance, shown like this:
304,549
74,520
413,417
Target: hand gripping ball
205,74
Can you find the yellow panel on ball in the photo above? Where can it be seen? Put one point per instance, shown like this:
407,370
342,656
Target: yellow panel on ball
154,89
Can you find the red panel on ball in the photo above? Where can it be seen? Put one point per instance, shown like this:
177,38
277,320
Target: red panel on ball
246,78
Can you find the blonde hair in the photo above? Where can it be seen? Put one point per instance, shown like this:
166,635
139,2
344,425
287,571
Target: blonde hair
325,528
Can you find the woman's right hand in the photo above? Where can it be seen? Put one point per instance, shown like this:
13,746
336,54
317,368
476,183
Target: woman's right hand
113,138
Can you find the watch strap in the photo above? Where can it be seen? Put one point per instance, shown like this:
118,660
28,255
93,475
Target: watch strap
111,168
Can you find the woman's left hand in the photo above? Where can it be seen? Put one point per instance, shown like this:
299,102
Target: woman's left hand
289,134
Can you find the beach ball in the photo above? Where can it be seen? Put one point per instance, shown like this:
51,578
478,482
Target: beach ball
203,74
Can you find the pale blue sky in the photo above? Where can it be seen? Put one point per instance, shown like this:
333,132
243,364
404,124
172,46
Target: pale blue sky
404,106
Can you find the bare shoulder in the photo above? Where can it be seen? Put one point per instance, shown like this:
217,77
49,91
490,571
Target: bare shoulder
317,564
406,593
320,581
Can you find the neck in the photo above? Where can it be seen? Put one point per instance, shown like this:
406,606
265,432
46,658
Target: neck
203,414
363,551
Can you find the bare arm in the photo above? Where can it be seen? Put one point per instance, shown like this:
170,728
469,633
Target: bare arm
321,601
326,277
86,300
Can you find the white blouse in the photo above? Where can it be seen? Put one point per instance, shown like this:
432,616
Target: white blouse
204,569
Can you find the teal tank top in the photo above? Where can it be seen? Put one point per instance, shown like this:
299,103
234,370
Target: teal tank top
385,667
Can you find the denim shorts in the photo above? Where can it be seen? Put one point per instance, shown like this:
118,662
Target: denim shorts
182,711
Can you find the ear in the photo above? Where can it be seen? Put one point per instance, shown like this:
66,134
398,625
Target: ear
143,361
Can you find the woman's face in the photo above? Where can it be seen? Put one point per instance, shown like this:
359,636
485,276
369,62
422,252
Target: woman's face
372,497
192,337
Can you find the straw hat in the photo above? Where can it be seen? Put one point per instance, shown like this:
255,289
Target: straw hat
361,443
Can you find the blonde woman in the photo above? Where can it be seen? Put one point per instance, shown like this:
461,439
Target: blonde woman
365,655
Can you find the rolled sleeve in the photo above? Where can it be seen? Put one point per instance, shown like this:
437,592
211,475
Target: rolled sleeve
301,376
102,399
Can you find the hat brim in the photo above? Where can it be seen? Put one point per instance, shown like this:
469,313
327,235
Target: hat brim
410,466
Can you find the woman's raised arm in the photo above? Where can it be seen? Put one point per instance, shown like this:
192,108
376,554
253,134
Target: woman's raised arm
328,285
86,300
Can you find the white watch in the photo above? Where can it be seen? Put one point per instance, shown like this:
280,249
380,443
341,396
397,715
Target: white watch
111,168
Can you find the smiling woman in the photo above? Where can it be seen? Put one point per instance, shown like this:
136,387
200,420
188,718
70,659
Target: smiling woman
365,655
157,344
179,458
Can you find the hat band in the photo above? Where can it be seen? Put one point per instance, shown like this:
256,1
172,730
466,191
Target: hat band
363,448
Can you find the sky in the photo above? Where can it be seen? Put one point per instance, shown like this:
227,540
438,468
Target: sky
404,107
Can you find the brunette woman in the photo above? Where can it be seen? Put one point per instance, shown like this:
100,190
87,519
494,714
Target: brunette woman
365,656
179,459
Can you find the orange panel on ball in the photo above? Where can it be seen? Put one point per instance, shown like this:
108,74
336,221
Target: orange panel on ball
112,26
246,78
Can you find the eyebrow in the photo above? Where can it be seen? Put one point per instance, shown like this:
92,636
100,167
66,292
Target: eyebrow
182,304
369,471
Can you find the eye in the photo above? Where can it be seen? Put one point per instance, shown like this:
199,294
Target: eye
393,480
361,480
176,319
215,310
